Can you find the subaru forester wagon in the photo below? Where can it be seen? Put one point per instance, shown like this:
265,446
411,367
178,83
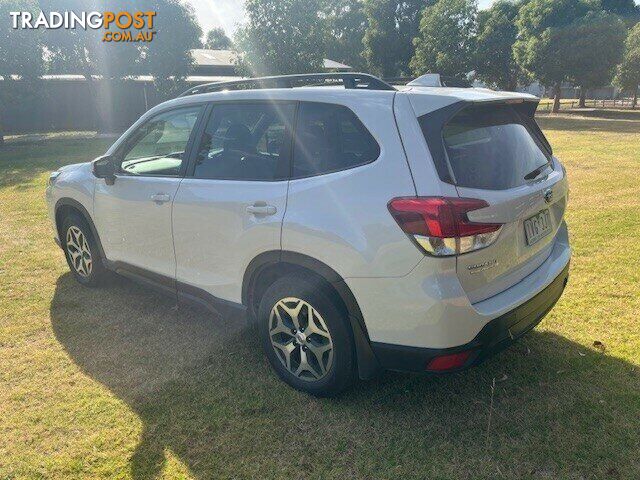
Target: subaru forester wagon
361,226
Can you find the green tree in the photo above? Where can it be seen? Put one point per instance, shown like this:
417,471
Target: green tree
346,23
281,37
391,27
542,47
446,41
217,40
497,32
628,74
597,42
624,8
83,52
21,54
168,56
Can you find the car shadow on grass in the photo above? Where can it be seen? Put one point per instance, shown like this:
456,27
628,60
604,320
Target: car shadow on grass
547,407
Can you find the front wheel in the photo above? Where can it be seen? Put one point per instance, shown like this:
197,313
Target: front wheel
81,251
304,332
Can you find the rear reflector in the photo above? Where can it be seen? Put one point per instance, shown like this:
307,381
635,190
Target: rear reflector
440,225
448,362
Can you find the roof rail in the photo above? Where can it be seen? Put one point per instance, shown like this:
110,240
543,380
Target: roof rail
349,80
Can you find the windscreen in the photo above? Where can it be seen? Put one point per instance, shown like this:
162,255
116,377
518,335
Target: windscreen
492,147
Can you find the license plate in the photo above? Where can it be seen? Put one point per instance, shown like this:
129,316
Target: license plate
537,226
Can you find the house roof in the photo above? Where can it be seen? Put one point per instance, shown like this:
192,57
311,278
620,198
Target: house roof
224,58
137,78
218,58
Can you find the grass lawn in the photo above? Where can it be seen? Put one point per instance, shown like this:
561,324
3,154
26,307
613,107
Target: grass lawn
117,383
570,105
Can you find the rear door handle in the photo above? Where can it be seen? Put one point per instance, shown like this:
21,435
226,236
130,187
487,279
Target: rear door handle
160,197
261,208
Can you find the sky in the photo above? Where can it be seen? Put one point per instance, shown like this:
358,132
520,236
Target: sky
218,13
229,13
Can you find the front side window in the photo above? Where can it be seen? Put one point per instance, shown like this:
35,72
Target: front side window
158,147
246,141
492,147
330,138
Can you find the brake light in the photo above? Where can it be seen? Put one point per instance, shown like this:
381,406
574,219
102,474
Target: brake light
448,362
440,225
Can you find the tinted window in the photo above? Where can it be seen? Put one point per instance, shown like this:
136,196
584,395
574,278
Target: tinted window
157,148
330,138
492,147
246,142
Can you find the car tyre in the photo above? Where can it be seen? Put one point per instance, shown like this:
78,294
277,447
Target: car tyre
304,331
81,251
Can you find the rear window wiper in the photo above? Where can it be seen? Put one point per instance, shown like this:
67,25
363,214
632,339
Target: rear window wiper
533,174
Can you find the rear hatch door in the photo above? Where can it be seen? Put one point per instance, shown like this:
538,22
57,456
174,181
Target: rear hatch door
497,153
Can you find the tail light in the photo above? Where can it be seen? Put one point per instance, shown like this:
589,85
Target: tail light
440,225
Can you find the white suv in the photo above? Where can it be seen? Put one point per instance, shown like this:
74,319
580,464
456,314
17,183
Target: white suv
361,228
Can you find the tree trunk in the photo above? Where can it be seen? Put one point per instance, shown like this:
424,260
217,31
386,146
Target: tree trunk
635,99
87,72
583,97
556,98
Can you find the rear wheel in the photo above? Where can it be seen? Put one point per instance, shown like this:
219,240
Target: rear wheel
305,335
81,251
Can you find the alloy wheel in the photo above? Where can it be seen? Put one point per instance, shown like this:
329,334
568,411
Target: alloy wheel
79,252
300,339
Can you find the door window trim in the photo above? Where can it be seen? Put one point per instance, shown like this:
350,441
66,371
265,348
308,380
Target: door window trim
123,148
206,117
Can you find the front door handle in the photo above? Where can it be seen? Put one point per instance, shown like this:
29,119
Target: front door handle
261,208
160,197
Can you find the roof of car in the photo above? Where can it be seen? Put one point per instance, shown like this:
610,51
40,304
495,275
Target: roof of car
422,98
425,93
318,94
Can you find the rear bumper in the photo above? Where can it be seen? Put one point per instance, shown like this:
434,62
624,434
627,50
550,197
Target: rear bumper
495,336
428,308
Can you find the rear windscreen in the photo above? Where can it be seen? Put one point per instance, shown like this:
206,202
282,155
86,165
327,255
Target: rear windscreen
492,147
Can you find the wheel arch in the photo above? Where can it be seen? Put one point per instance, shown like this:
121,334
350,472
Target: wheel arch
275,264
66,205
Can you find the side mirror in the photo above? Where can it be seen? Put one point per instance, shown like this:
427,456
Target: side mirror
104,167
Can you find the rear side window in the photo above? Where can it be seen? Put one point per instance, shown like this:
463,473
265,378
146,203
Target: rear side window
492,147
330,138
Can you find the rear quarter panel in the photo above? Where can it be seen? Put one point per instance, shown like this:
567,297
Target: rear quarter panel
341,218
425,174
